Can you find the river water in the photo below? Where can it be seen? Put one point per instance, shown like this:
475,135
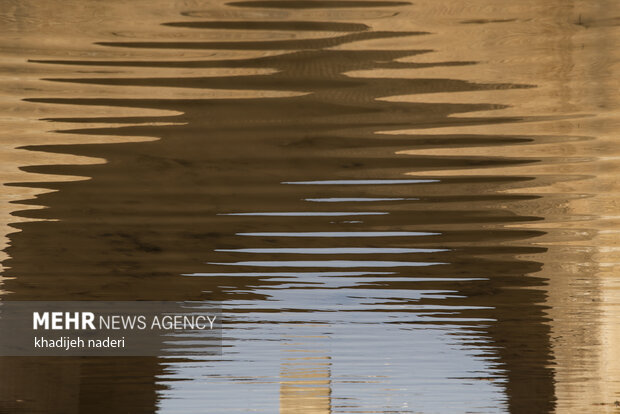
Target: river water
402,207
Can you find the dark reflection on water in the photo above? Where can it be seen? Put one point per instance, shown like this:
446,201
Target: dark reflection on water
255,201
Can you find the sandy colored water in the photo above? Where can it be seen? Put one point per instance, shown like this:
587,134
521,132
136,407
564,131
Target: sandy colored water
401,207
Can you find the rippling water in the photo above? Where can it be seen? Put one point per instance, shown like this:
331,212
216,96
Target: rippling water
403,207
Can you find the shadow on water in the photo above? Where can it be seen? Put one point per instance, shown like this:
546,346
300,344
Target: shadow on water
244,196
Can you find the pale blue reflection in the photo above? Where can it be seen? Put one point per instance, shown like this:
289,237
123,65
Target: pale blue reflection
373,367
341,234
291,274
359,182
329,263
335,250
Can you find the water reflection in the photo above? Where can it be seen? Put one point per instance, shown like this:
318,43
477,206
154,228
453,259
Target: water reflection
194,148
306,385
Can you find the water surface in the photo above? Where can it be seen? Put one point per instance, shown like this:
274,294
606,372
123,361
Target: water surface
402,207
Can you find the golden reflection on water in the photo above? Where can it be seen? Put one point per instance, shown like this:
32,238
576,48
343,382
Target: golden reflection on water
305,385
524,92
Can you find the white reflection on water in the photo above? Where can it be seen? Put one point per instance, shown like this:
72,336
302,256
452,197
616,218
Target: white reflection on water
330,263
334,250
359,182
341,234
373,367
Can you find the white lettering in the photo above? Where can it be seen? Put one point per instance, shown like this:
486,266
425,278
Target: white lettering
40,320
